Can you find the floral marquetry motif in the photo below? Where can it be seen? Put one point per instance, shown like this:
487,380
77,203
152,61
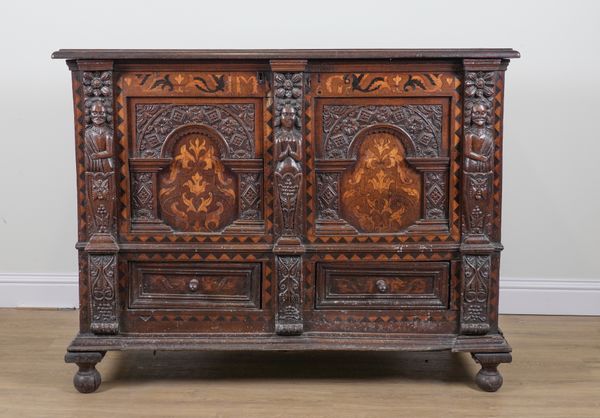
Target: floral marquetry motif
381,193
197,192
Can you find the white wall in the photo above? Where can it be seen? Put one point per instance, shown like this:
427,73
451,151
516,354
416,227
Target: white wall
551,188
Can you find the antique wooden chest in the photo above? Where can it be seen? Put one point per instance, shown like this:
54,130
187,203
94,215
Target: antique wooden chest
288,200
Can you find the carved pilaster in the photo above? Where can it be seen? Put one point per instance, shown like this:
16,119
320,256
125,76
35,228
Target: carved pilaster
477,196
476,271
478,155
99,159
103,289
289,295
288,156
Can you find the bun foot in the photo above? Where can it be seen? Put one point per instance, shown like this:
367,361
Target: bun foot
87,379
489,378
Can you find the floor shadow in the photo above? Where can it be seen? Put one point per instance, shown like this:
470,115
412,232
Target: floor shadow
288,365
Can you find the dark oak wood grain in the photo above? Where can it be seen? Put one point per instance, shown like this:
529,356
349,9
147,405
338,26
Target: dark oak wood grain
262,54
289,200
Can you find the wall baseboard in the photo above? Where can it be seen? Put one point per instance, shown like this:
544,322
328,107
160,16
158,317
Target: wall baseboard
39,290
517,295
545,296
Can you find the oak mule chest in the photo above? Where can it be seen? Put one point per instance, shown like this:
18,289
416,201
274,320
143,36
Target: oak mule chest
288,200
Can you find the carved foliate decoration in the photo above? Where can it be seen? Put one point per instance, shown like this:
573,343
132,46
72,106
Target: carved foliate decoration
478,204
289,298
476,270
234,122
381,193
197,193
103,289
422,123
288,105
478,155
435,195
328,196
143,196
101,195
250,196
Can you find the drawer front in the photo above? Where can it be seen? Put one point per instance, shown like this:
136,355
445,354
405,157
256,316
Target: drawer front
422,285
197,285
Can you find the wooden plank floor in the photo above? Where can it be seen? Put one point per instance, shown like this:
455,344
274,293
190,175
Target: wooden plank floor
555,373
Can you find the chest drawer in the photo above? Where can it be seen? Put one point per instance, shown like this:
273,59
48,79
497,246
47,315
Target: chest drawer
195,285
399,285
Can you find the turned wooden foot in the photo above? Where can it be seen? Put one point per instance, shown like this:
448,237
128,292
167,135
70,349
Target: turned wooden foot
87,379
489,378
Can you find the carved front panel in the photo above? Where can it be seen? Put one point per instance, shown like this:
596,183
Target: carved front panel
194,142
195,168
197,193
382,167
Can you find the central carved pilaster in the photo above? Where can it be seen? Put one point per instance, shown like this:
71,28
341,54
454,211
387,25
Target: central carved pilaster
289,156
288,106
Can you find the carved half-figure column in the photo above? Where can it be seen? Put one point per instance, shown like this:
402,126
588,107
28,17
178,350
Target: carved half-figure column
98,142
288,155
478,246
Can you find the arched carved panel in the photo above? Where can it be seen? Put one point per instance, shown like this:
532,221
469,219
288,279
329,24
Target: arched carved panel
421,124
197,192
234,122
381,193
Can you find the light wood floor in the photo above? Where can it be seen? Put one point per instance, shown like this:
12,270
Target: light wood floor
555,373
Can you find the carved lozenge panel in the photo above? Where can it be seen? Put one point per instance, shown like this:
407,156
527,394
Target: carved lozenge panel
381,193
197,193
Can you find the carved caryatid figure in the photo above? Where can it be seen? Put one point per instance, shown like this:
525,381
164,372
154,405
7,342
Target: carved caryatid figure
288,152
98,140
479,141
288,140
